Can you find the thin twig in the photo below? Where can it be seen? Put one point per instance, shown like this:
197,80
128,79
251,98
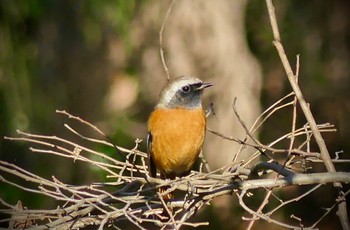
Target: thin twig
161,40
342,214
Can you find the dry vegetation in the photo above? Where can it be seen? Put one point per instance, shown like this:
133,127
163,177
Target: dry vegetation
133,196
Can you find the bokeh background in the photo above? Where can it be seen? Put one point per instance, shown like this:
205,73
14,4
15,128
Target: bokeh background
100,60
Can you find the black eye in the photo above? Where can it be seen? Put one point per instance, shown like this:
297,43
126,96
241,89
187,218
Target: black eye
186,89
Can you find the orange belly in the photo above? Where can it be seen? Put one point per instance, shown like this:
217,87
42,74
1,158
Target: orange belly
177,138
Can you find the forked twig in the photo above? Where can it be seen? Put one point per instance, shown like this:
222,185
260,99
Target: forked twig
343,216
128,194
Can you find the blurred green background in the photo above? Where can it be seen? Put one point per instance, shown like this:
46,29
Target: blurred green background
56,54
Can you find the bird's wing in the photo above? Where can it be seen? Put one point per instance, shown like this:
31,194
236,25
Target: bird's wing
151,166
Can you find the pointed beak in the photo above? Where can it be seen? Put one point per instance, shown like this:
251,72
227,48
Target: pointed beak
204,85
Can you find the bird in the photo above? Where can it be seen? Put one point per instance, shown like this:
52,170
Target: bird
176,128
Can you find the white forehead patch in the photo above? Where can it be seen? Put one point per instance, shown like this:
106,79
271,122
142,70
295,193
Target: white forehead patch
168,93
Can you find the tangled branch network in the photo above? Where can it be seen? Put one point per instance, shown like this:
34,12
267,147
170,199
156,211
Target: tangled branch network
132,197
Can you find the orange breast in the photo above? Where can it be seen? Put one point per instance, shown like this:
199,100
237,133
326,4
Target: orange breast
177,138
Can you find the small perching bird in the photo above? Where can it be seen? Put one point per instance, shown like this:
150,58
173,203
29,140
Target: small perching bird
176,128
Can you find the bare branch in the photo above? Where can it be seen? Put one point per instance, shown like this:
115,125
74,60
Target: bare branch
342,212
130,195
161,40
